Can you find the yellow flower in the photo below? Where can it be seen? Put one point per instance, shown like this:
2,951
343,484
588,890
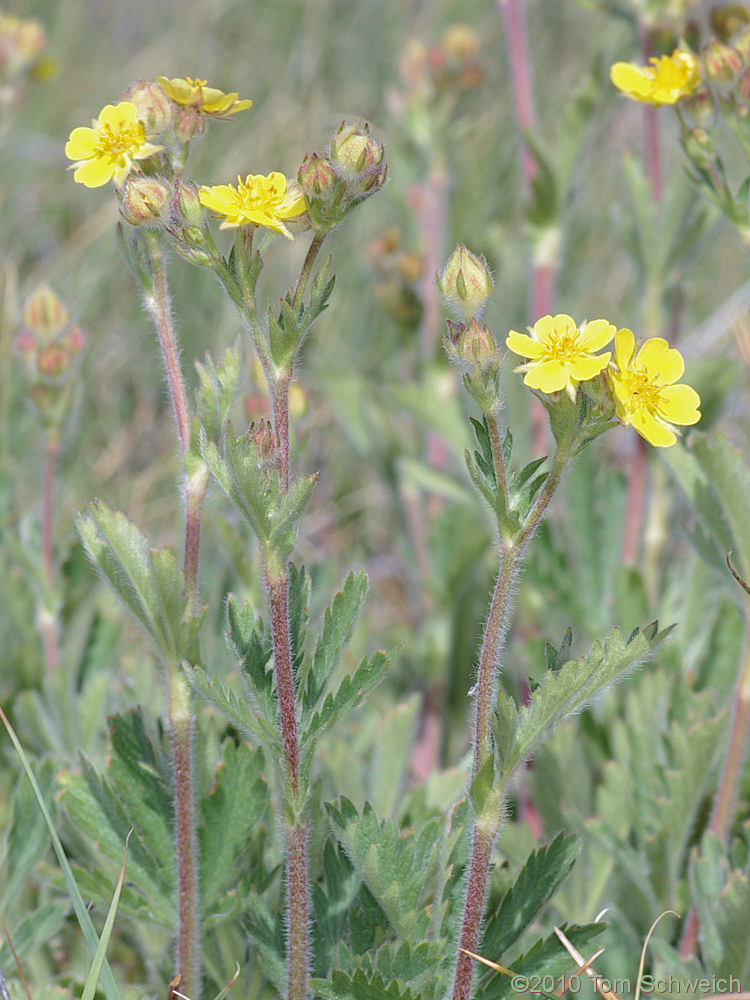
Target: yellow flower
561,354
106,151
257,201
665,81
644,390
196,95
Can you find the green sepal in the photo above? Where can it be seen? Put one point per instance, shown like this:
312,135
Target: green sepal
148,581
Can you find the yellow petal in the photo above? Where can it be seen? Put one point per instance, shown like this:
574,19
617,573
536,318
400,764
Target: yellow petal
653,430
547,376
631,79
597,334
80,145
663,364
94,173
679,404
582,369
524,345
624,347
123,113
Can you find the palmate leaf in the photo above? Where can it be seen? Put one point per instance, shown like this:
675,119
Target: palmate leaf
537,881
564,692
148,581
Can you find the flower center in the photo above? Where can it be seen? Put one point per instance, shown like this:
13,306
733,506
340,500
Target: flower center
120,140
564,344
644,390
257,195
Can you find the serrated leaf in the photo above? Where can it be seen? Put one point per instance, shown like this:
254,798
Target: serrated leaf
249,484
235,804
545,958
349,693
216,391
339,621
267,933
140,785
148,581
342,986
537,881
565,692
234,709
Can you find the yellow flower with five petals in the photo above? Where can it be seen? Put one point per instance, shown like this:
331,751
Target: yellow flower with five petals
665,81
644,389
196,95
561,354
258,201
108,150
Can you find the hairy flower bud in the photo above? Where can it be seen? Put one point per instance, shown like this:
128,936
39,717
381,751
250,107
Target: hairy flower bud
316,177
186,203
722,64
358,159
466,282
477,345
153,106
189,124
45,314
145,201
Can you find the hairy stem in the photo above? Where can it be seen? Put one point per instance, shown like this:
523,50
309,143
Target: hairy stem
304,275
181,732
179,708
486,828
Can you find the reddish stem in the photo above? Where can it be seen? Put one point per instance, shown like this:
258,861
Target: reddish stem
278,596
520,77
47,619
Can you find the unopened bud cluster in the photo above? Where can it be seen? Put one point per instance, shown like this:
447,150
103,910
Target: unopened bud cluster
21,43
466,284
352,169
49,346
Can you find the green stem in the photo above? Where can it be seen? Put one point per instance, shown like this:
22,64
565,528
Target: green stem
486,828
49,625
304,275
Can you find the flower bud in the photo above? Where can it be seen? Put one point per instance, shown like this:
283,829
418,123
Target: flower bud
145,201
727,19
466,282
699,146
316,177
264,439
186,203
188,124
722,64
45,314
477,346
358,159
153,106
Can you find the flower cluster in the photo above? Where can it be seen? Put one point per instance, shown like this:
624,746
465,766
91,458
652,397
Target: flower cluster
666,80
642,383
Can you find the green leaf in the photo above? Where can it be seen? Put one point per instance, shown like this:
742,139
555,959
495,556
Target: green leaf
216,391
537,881
339,621
332,904
27,838
92,979
248,482
398,870
148,581
34,932
236,803
267,933
109,985
252,646
564,692
547,957
349,694
245,717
